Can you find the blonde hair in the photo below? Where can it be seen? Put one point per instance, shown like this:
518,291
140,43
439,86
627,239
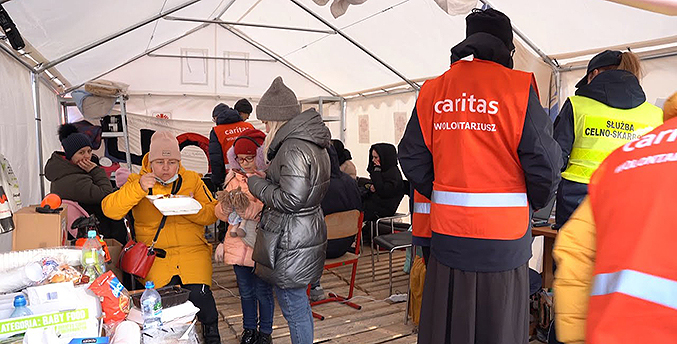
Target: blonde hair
270,136
629,62
670,108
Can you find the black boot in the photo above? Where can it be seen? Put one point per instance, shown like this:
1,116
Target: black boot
265,338
210,333
249,336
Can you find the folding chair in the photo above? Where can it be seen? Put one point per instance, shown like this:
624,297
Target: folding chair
374,249
391,242
342,225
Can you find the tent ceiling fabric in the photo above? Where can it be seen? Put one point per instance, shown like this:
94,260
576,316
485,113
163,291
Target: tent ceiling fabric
569,26
411,36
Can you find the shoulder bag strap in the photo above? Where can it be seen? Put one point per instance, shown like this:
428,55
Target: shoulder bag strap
176,186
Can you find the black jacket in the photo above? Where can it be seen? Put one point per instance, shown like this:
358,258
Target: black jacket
616,88
539,156
343,194
226,116
88,189
291,241
387,181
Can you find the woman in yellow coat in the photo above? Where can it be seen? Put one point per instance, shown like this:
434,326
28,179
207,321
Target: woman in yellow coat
575,252
188,261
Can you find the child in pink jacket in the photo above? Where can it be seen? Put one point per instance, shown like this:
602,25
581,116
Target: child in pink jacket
245,157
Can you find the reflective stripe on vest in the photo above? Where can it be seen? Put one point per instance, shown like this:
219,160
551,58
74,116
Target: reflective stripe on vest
421,208
632,199
420,219
599,129
493,200
637,284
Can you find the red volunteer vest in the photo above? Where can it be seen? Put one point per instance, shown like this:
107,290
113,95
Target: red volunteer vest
633,196
227,133
472,118
420,223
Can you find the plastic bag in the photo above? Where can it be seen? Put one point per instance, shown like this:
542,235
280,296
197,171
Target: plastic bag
115,300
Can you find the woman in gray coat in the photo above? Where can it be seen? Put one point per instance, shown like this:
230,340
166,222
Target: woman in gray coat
292,238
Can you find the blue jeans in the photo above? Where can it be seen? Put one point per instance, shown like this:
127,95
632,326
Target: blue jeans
296,309
253,291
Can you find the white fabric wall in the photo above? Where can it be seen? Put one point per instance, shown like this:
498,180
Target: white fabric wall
18,140
381,128
161,75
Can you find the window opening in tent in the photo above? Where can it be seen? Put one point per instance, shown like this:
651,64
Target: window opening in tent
236,72
194,70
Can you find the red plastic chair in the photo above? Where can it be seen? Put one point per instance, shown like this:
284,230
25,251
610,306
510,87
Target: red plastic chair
342,225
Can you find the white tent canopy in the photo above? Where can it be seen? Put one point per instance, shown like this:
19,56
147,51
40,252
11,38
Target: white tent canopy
376,56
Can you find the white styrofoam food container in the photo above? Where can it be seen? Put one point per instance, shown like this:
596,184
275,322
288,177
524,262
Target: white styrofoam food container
176,205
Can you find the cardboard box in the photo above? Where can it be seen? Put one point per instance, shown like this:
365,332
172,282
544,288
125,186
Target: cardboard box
114,249
35,230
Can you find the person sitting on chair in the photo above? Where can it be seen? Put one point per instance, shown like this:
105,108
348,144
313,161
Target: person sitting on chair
75,177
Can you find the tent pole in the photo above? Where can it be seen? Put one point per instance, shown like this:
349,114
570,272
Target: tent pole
528,41
356,44
558,84
75,87
213,58
35,83
125,129
114,36
160,46
265,26
643,58
9,52
344,109
280,59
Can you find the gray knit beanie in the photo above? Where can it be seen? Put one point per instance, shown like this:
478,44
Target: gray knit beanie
279,103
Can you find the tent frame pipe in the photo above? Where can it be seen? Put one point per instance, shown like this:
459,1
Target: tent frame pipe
91,46
139,56
35,83
123,114
11,53
279,58
160,46
213,58
356,44
344,112
550,62
265,26
643,58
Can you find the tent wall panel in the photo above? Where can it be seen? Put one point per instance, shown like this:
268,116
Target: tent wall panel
159,75
18,140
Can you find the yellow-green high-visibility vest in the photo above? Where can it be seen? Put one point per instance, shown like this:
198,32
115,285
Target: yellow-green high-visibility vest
599,129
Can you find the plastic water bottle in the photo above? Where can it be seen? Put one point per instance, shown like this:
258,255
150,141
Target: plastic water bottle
151,307
20,309
93,259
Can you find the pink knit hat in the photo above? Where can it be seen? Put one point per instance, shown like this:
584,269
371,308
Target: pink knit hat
164,145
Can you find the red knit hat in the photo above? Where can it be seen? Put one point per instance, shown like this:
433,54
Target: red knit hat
249,141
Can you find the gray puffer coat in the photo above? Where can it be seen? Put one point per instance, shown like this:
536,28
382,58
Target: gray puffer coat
291,241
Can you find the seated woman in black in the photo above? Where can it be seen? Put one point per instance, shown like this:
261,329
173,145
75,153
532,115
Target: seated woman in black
384,194
76,177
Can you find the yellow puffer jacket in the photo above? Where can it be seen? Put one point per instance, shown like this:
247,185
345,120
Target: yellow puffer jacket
188,253
574,253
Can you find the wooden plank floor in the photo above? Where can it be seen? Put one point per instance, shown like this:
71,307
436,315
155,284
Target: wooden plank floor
377,322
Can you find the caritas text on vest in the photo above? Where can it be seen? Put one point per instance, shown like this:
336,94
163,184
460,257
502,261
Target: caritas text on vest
470,103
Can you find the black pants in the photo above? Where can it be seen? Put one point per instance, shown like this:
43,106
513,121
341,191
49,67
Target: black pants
201,296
